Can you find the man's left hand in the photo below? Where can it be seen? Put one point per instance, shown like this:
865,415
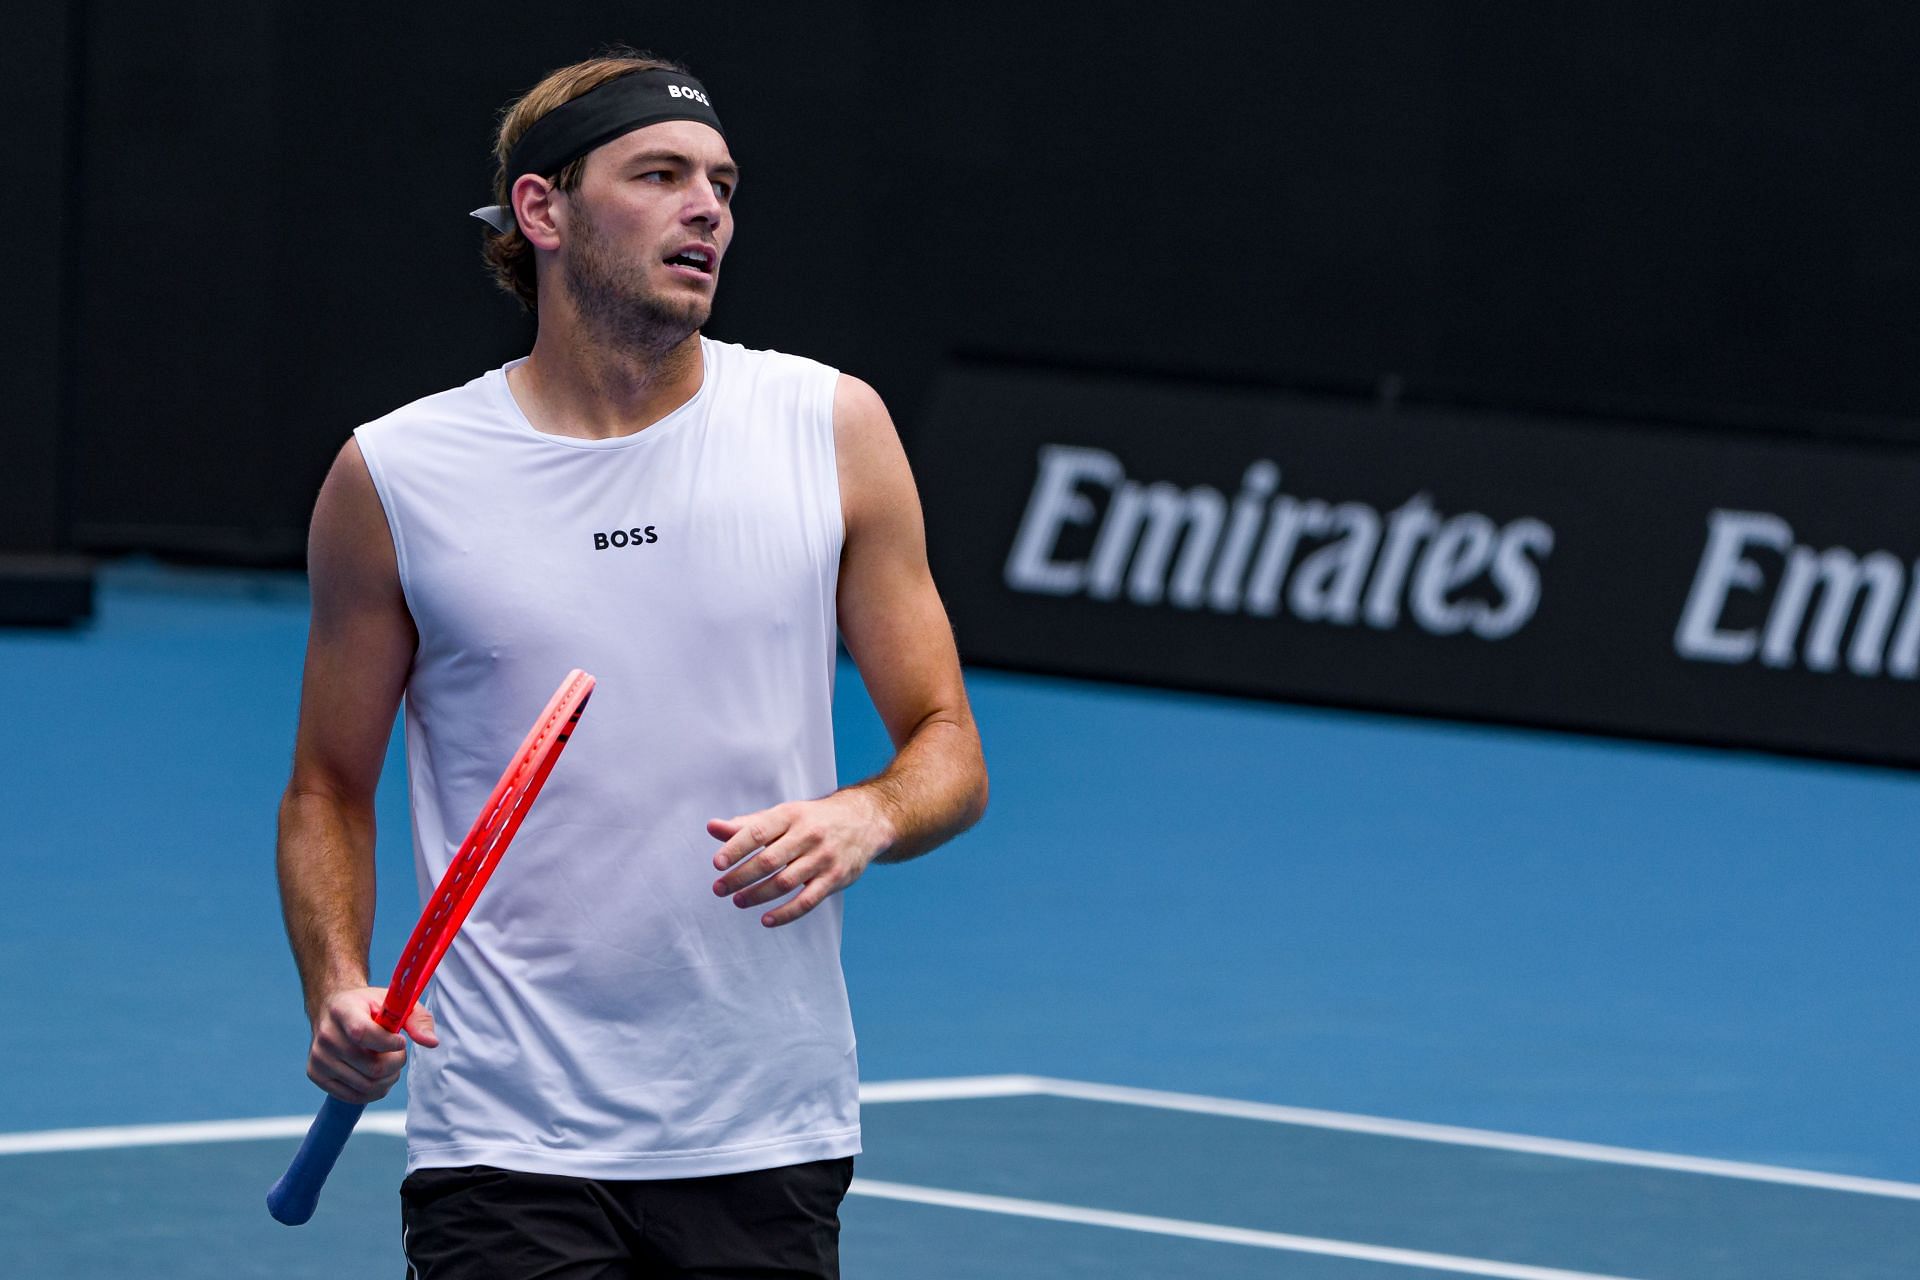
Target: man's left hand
816,846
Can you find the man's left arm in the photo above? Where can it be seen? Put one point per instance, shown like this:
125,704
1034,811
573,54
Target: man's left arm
896,629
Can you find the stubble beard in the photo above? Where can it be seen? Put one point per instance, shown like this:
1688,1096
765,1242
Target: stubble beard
611,294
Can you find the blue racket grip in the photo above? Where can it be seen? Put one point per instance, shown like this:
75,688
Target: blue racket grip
293,1197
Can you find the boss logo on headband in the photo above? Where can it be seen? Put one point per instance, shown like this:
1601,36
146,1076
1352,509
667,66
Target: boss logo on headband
687,91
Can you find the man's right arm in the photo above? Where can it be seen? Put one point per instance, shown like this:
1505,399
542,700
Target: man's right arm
360,646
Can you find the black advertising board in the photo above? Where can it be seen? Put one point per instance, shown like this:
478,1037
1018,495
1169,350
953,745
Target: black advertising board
1607,577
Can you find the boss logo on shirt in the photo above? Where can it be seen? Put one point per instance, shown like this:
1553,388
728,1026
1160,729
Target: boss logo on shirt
625,538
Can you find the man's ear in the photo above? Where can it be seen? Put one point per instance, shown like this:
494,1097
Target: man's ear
539,208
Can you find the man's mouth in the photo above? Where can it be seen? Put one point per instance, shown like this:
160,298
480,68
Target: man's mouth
693,257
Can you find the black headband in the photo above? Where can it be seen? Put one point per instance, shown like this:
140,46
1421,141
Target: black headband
603,113
598,116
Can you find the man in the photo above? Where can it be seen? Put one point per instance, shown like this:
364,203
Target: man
646,1068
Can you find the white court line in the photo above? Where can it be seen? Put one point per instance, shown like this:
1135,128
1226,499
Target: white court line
952,1089
960,1088
1219,1234
1454,1135
393,1123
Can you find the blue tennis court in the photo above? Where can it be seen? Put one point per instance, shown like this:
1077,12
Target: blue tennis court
1219,988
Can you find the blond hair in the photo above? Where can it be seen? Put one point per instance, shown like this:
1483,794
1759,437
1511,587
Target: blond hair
508,256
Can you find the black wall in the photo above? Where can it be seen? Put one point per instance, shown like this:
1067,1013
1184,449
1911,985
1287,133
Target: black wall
1694,214
34,82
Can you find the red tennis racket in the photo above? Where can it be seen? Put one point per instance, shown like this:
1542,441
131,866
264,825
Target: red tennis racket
293,1198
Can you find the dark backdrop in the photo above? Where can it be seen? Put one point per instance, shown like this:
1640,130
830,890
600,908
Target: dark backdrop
36,119
1694,214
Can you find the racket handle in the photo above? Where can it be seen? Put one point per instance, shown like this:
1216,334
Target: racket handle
293,1197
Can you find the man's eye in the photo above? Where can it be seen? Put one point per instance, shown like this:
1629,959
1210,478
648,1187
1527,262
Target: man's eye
724,190
652,175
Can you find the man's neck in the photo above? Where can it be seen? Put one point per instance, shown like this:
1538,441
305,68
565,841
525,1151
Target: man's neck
573,386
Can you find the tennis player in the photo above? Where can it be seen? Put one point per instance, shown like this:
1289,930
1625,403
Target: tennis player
647,1064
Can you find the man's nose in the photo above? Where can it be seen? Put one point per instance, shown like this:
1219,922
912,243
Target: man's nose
703,204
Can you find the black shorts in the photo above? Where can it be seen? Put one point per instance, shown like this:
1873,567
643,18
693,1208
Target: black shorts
481,1223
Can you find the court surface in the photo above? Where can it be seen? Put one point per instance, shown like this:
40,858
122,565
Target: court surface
1219,989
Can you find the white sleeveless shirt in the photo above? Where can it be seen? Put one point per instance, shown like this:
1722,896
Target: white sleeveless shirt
602,1013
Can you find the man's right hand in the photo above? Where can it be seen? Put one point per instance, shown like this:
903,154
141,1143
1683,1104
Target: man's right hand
353,1057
